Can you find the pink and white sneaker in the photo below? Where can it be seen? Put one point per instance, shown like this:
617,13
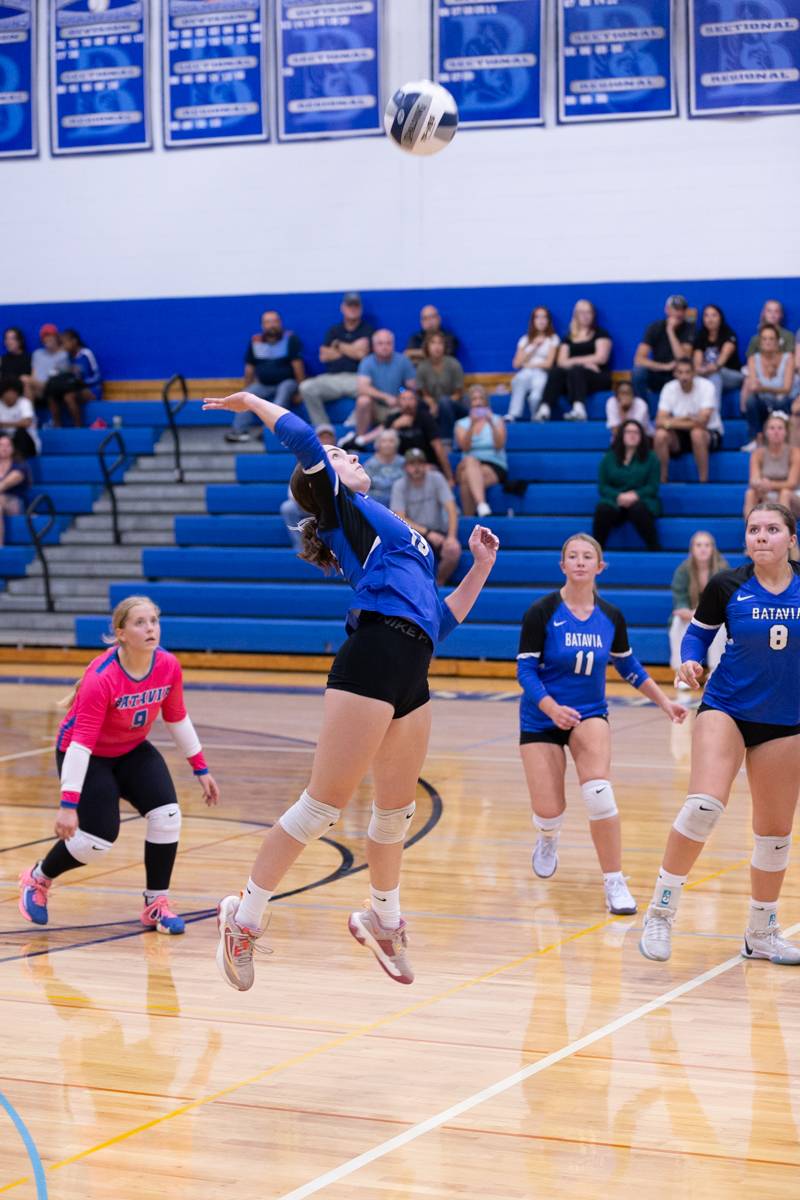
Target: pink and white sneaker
236,946
159,916
388,945
33,897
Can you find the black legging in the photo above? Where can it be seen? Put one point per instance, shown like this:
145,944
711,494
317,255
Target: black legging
576,383
611,516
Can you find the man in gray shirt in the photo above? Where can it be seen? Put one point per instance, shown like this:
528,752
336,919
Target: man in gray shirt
424,499
48,360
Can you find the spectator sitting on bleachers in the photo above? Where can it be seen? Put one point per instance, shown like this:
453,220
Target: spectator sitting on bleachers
716,352
385,466
423,499
440,379
382,375
47,361
15,479
18,419
664,342
688,419
79,383
628,487
416,429
772,314
430,321
769,383
273,369
624,405
582,363
15,361
343,348
774,467
481,437
688,582
534,357
291,511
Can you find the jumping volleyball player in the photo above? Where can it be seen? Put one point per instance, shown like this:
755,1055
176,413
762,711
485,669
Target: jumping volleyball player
568,638
750,711
102,753
377,711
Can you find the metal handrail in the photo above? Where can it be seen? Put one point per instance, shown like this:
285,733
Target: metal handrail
38,536
108,473
172,411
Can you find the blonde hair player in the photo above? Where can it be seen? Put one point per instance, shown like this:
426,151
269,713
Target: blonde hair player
377,711
568,638
102,754
750,711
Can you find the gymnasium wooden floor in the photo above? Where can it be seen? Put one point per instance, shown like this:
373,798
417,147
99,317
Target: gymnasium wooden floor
537,1055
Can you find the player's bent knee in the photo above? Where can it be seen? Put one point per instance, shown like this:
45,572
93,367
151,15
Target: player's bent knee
771,853
388,826
163,825
697,818
308,819
87,847
598,796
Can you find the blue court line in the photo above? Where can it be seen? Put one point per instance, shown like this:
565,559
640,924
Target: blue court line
30,1146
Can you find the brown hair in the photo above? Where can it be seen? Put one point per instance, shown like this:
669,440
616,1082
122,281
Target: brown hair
426,341
715,563
772,506
549,331
314,549
119,618
583,537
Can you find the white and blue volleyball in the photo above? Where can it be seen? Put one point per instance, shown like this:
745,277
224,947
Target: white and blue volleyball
421,117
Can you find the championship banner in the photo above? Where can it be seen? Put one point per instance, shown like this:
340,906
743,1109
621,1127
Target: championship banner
743,58
99,78
615,61
329,68
489,56
214,72
17,78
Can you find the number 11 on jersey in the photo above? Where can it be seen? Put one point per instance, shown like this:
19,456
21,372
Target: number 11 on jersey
579,667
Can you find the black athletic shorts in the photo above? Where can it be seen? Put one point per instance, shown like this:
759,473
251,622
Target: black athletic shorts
684,437
141,777
755,733
386,658
555,736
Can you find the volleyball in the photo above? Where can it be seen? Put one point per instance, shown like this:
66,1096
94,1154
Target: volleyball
421,118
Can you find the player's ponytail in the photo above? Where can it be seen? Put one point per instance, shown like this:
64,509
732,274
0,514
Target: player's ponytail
118,619
313,548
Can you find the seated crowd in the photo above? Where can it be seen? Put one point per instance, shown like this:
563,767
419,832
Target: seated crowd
36,389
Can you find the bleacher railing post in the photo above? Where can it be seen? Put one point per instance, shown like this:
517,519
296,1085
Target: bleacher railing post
108,472
38,536
172,411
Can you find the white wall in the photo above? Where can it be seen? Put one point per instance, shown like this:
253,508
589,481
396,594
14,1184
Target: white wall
712,198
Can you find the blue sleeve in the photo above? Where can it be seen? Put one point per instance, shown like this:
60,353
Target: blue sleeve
448,622
629,668
696,642
298,436
86,363
529,679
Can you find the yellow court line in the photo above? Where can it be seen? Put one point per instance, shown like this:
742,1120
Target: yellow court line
345,1039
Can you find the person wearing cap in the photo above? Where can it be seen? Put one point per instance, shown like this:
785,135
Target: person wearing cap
381,376
664,342
46,361
273,369
423,499
344,346
77,384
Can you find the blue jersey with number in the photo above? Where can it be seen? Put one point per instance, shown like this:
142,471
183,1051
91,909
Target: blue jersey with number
566,658
758,677
389,565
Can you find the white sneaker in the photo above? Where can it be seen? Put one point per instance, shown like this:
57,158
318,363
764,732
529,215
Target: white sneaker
770,944
619,900
545,856
235,950
656,940
750,447
577,412
484,509
542,413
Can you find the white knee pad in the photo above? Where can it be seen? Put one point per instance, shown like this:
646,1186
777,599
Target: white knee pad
697,818
771,853
547,824
308,820
598,796
86,847
390,825
163,825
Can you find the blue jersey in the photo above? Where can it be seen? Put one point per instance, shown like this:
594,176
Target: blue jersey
389,565
758,677
565,658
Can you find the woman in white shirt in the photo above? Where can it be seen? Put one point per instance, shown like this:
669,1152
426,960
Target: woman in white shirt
625,405
535,355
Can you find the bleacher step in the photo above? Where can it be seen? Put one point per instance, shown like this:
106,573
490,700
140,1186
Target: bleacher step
209,474
35,614
174,492
68,568
128,522
155,507
21,636
153,465
79,589
135,537
89,555
206,441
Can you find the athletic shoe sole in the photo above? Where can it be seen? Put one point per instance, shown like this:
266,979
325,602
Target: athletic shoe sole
651,957
365,938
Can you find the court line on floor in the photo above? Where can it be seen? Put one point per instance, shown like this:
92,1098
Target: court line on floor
26,753
503,1085
30,1146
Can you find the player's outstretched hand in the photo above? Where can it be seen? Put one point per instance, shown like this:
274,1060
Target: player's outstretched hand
210,789
66,823
483,545
676,712
236,402
691,673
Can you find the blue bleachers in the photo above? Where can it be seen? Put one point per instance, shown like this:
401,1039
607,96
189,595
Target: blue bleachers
17,530
66,468
14,560
87,441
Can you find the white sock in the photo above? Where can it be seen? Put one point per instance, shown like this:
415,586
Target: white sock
547,826
250,913
667,892
609,875
386,906
149,897
39,874
763,915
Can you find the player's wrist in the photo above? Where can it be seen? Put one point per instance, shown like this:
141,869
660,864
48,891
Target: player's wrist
69,800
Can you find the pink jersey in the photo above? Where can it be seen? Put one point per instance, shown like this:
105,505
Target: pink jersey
113,712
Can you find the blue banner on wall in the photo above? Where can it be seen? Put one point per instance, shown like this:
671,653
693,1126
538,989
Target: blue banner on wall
615,60
99,84
17,78
743,57
215,72
489,56
329,68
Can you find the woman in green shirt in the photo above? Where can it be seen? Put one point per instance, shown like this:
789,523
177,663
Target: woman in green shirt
628,487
